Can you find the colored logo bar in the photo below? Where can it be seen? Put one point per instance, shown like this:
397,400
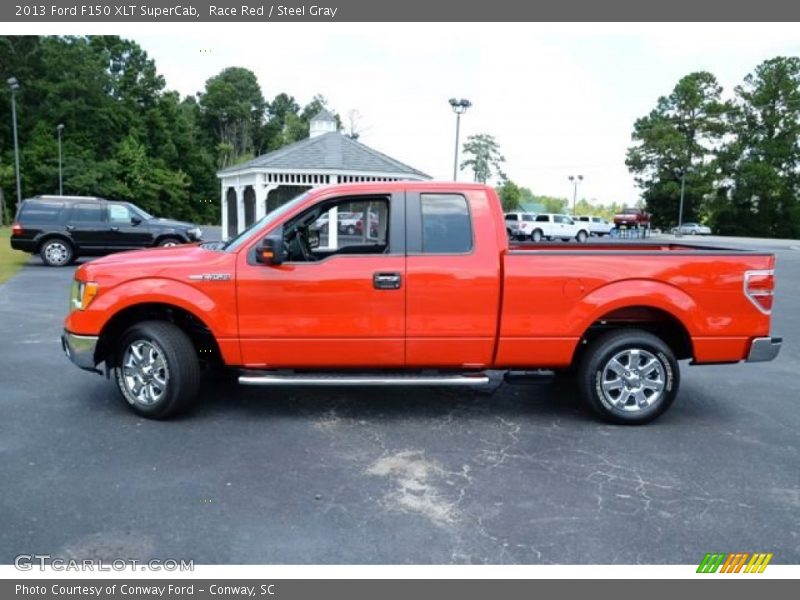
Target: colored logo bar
735,562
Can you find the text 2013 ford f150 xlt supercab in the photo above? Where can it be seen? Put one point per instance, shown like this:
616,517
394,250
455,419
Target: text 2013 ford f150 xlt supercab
429,291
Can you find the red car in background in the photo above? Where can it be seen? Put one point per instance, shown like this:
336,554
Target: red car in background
632,218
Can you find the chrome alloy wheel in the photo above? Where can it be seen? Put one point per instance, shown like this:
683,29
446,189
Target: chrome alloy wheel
145,373
56,253
633,380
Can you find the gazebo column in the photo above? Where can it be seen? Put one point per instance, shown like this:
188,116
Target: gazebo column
224,204
262,191
240,226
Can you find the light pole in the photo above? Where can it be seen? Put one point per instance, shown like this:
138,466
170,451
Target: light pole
59,129
459,107
14,85
575,180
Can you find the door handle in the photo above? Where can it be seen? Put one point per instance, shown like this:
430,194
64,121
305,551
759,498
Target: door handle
386,281
114,228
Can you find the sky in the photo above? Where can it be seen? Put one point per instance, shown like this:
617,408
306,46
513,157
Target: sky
560,99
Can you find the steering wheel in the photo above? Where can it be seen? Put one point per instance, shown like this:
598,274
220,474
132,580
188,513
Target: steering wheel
305,248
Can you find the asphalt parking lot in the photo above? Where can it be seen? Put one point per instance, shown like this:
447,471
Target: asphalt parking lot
393,475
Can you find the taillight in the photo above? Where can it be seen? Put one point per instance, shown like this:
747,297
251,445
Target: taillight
16,229
759,287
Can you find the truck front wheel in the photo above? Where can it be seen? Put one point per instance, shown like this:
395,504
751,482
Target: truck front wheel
156,369
628,376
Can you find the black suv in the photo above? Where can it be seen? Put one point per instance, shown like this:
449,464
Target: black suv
61,228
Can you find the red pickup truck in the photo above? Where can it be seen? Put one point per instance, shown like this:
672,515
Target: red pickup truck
635,218
433,294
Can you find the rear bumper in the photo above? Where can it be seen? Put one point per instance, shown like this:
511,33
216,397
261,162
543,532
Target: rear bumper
80,349
764,349
23,244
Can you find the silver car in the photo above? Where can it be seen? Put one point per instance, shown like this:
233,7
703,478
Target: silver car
691,229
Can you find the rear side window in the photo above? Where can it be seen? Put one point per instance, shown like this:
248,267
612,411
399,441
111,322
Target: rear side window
527,217
511,217
40,212
446,227
542,219
87,213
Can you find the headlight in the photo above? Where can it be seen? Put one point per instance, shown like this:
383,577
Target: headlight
195,232
81,294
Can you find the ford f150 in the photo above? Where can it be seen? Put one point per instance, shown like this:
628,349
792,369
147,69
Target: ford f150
433,294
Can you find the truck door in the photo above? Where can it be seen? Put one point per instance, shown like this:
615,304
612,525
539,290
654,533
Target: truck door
453,279
339,300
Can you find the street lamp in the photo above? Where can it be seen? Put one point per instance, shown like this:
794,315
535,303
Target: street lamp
459,107
14,85
59,129
575,180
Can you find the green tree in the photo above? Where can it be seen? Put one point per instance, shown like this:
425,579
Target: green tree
760,194
484,159
679,138
510,195
233,106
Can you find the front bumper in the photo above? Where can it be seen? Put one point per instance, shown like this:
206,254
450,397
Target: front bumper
764,349
80,349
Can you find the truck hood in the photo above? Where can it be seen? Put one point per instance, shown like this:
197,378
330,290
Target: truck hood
153,262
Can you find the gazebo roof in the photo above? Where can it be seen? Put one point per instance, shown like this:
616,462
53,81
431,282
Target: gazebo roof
331,152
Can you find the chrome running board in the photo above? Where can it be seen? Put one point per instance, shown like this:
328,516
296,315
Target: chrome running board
333,379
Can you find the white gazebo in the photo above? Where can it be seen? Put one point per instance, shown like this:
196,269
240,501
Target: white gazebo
326,157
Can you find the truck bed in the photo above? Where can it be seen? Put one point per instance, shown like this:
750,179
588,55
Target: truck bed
549,301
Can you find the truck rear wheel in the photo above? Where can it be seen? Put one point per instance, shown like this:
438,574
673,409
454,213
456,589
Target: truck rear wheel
628,376
536,236
156,369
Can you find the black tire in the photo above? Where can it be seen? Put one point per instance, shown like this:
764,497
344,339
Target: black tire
57,252
596,366
180,369
582,236
350,230
168,241
536,236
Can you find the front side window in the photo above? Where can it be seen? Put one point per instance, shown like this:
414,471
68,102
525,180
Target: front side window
345,226
119,213
446,226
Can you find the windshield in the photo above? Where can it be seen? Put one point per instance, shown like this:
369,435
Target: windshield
236,242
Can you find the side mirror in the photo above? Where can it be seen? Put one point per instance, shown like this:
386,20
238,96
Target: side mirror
269,252
135,221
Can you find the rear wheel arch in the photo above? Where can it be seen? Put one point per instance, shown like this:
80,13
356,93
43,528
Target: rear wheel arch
654,320
50,236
